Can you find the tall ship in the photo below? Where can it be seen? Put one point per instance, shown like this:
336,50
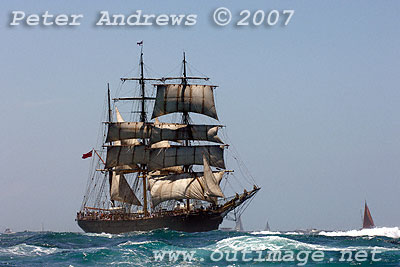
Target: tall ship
159,169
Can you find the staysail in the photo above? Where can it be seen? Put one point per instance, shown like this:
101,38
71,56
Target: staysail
121,191
212,188
184,98
368,222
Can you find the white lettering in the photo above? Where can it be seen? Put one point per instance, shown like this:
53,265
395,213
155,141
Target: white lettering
18,15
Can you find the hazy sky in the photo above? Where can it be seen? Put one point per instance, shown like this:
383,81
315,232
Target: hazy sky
313,107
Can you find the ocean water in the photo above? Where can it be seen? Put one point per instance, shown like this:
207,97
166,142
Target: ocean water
215,248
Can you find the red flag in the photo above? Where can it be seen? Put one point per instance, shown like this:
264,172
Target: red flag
140,43
87,155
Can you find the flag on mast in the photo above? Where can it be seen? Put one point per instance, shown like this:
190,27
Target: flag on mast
87,155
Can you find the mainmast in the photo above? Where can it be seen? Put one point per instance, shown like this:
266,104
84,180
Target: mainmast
143,118
185,119
185,114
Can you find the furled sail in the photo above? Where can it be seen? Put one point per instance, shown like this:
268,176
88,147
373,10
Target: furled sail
121,191
166,171
186,155
124,169
176,132
161,144
181,186
184,98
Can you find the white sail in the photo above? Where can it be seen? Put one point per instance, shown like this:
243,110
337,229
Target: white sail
127,130
121,191
180,98
161,131
126,155
166,171
212,185
160,158
186,155
129,142
126,133
180,186
161,144
239,224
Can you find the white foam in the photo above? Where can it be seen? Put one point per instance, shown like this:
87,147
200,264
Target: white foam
391,232
270,242
265,233
293,233
103,235
130,243
28,250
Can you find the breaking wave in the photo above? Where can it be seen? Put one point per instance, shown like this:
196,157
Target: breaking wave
267,243
391,232
27,250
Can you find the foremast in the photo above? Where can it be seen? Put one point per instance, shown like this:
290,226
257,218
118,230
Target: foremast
142,173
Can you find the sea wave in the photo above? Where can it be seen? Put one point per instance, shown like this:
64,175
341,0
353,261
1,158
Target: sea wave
27,250
266,233
103,235
255,243
268,243
136,249
391,232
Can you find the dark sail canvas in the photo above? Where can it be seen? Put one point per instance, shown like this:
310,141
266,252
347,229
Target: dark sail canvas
368,222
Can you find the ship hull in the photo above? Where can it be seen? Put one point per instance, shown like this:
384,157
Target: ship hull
184,222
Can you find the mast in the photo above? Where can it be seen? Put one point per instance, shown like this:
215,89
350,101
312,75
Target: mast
185,118
143,118
109,120
185,115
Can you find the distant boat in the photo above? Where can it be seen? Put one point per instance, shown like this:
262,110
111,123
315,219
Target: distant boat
239,224
267,227
8,231
368,222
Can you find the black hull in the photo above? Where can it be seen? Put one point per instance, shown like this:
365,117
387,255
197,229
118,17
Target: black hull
184,222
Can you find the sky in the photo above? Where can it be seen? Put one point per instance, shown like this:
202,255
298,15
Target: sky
311,107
